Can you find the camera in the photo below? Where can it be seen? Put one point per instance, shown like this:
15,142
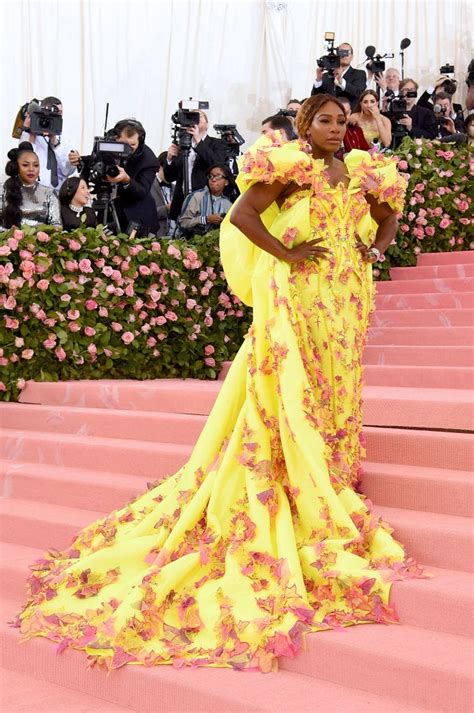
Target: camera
187,116
233,141
396,109
287,112
440,115
447,69
449,85
375,63
106,157
332,60
45,119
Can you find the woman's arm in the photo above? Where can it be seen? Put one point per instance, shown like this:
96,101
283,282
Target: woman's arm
245,215
385,130
387,222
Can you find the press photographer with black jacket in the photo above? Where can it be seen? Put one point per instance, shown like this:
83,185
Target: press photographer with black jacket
205,152
134,202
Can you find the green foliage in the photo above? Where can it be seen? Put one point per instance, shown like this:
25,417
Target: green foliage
438,213
81,305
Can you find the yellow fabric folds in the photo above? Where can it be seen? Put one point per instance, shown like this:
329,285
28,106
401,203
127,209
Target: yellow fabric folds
261,536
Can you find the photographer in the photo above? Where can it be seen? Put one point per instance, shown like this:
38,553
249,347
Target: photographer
280,123
387,82
55,166
449,122
206,208
418,121
205,151
444,84
348,82
134,202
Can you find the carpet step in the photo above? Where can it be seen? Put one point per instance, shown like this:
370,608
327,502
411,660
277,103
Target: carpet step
436,539
439,336
106,423
429,300
411,355
425,272
418,602
420,448
410,407
73,487
428,377
439,284
415,318
410,487
453,258
444,541
152,459
21,692
427,668
163,689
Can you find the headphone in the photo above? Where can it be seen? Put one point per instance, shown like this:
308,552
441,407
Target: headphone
132,124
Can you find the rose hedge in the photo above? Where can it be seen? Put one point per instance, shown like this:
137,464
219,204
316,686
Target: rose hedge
438,211
81,305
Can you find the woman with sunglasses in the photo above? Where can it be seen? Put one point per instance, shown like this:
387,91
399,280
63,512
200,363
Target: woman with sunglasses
206,208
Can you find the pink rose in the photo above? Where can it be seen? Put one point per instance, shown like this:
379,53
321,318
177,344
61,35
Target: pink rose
50,342
92,349
171,316
190,304
5,250
27,353
444,223
116,327
209,361
73,314
91,305
58,279
74,245
103,312
89,331
13,243
65,298
151,341
127,337
19,342
42,237
144,270
85,265
129,291
208,321
73,327
18,234
174,252
429,230
42,284
2,386
10,302
402,165
21,383
71,265
107,270
161,320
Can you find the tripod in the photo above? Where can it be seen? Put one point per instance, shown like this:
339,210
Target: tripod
104,206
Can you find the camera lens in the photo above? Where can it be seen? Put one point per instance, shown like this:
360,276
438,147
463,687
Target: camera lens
112,171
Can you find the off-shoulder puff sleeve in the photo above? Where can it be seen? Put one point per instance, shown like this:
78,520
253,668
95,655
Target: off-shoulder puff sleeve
270,159
377,175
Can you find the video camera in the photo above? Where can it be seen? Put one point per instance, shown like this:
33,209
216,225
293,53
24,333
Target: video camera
45,118
187,116
106,158
287,112
332,60
375,63
449,85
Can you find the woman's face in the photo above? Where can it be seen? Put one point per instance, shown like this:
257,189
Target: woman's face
82,195
217,181
369,102
327,128
28,167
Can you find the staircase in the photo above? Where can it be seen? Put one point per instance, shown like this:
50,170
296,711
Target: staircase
73,451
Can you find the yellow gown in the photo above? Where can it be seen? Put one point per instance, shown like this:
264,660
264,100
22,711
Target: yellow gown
260,537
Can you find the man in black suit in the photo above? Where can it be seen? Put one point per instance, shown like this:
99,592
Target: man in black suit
419,122
205,152
348,82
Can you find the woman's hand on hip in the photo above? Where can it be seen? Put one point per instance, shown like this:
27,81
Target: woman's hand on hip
309,250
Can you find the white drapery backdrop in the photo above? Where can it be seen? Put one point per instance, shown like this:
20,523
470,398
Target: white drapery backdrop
246,57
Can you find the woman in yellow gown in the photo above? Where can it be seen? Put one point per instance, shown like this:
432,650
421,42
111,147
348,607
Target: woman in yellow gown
261,536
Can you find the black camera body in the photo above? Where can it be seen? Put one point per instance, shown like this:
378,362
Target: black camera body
447,69
106,158
186,117
440,115
287,112
232,138
44,119
332,60
376,66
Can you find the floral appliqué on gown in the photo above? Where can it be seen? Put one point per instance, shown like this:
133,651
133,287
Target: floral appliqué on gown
261,536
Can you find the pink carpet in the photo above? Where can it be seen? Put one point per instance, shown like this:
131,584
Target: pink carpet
81,449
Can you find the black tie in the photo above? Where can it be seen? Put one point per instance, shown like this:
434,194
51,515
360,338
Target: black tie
52,165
